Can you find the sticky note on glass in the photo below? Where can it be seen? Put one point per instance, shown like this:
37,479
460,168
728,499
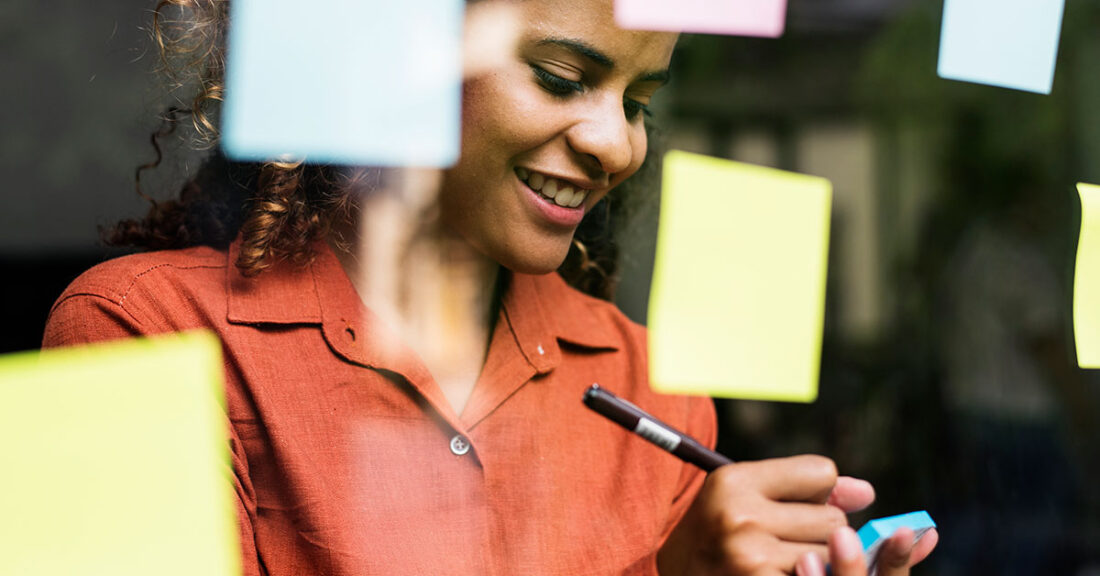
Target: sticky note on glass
114,461
344,81
1007,43
1086,280
737,303
730,17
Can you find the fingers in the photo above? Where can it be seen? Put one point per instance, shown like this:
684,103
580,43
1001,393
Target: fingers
846,553
894,556
784,497
806,478
924,547
900,552
810,565
780,516
852,494
750,551
757,552
798,522
793,554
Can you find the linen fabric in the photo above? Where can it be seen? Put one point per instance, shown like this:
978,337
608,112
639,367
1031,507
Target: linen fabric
347,458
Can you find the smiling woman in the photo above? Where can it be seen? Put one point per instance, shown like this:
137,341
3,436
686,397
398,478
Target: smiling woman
357,447
281,208
557,129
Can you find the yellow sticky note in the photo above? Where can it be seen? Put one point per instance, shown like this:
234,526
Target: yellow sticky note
1086,280
738,297
114,461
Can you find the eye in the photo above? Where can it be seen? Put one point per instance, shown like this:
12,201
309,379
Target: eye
555,84
632,108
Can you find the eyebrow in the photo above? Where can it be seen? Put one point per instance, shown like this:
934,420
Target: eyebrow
591,53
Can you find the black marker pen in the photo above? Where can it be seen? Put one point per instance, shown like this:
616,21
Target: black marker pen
639,422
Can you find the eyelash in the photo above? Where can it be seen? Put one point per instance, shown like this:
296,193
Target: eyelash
561,87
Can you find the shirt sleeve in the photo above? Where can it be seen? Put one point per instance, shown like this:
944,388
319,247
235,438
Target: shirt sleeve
89,318
86,319
702,426
698,420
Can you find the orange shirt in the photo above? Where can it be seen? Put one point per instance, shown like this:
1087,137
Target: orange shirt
348,459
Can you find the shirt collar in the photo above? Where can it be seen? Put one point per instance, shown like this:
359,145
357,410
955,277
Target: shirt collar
541,310
285,293
319,292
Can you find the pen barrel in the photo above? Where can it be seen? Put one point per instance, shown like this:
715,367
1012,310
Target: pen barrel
691,451
656,432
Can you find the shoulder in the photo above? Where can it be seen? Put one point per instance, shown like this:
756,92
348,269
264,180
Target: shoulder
136,294
116,279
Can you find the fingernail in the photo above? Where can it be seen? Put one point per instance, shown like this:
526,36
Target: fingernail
846,545
810,565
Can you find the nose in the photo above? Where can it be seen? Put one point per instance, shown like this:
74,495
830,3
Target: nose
604,136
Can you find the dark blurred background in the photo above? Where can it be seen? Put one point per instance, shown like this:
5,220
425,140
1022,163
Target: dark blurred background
948,375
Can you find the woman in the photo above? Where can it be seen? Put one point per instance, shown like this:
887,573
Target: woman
360,449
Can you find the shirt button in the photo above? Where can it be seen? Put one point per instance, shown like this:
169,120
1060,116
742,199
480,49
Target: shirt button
459,445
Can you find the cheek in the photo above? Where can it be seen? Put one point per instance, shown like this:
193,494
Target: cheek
496,108
506,112
479,110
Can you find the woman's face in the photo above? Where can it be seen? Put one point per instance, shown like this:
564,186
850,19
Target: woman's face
550,133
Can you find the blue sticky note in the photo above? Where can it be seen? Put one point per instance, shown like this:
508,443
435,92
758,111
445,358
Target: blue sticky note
373,82
1007,43
874,533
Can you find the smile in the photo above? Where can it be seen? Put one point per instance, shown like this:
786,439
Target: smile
561,192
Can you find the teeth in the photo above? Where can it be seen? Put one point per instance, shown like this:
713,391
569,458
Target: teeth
550,188
565,196
562,193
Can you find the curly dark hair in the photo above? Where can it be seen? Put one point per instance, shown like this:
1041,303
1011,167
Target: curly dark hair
278,208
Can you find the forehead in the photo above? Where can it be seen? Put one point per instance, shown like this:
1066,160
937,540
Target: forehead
593,23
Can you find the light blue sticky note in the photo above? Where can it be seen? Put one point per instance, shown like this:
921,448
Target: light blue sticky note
374,82
876,532
1007,43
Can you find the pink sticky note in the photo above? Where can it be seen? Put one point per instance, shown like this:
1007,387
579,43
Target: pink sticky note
730,17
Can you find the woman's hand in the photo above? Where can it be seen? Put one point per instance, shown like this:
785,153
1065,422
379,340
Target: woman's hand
896,556
771,516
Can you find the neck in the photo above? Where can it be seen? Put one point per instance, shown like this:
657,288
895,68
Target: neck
438,292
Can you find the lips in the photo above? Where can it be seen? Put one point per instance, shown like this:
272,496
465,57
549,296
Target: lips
559,191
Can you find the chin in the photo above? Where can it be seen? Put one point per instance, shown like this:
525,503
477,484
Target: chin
534,262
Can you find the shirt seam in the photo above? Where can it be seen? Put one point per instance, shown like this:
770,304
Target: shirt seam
113,302
134,280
